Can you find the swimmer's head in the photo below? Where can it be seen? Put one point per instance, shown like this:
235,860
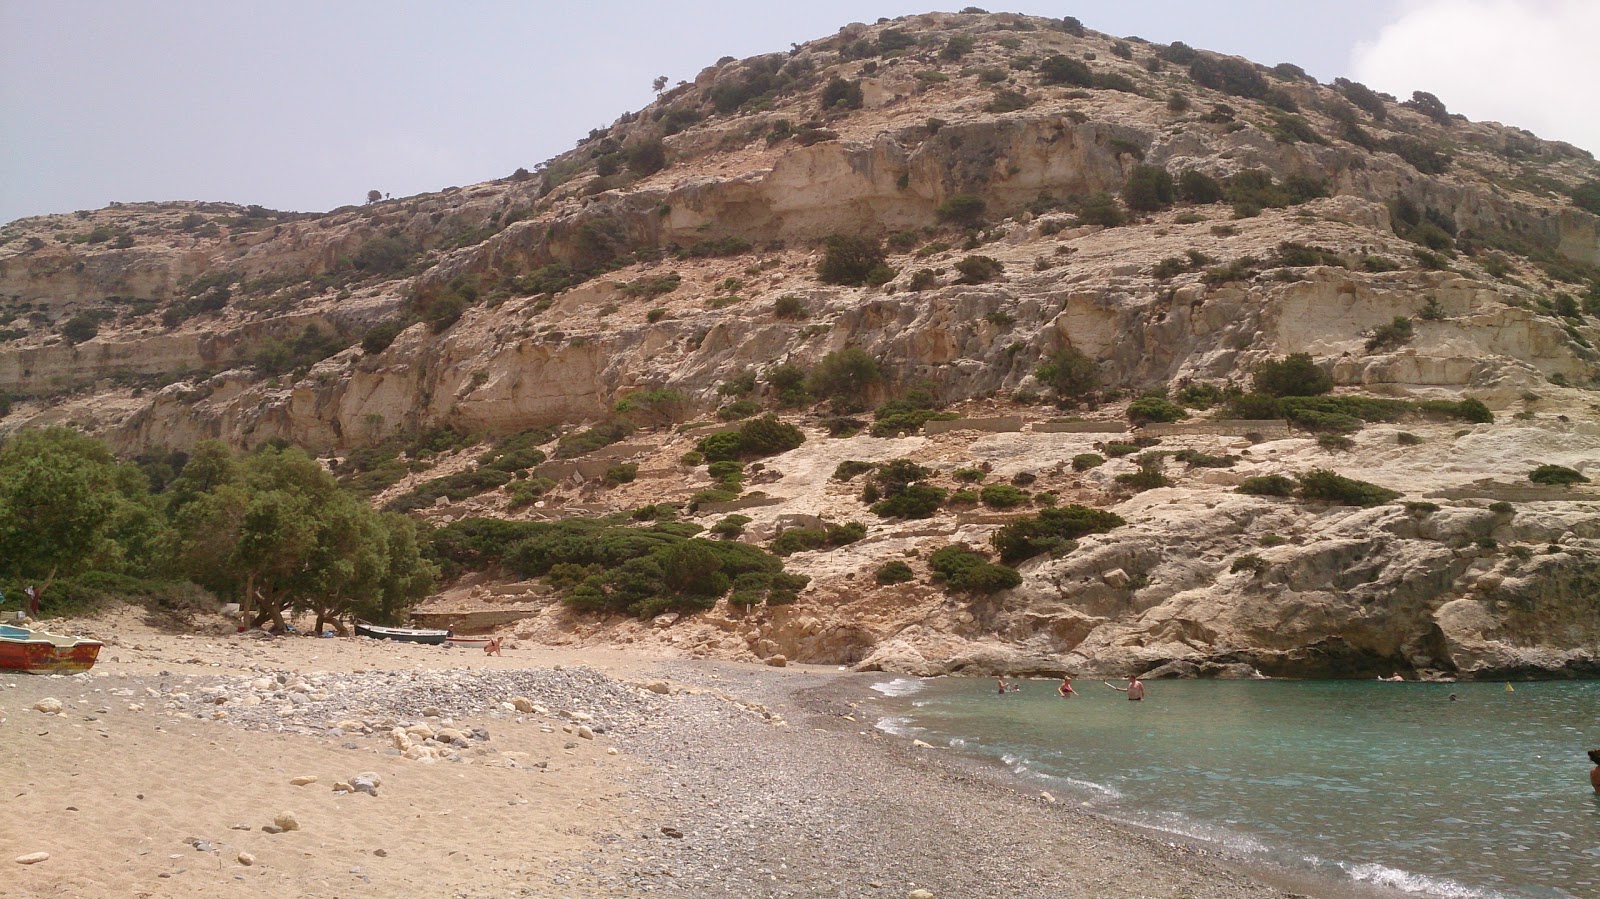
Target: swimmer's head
1594,756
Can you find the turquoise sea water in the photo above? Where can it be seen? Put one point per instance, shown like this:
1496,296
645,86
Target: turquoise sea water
1392,784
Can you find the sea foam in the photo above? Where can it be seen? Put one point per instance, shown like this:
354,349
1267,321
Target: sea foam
1406,882
900,686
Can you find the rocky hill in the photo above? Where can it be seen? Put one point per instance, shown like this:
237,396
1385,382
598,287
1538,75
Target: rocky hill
1061,239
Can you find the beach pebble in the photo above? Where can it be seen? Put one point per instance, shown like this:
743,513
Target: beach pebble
246,859
271,828
672,832
522,704
366,782
778,661
49,706
1045,796
919,894
658,687
585,732
342,787
303,780
33,858
432,711
287,821
918,744
611,750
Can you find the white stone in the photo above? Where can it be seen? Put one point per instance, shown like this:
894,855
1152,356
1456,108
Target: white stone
303,780
49,706
33,858
287,821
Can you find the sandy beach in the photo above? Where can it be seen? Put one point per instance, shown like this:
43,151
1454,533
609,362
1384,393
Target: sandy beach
544,773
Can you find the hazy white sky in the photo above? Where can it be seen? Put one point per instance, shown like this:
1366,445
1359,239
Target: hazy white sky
308,104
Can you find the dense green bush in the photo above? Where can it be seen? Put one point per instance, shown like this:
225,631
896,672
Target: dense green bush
1199,188
845,375
1267,485
841,94
1556,475
849,260
911,501
979,269
906,414
1070,373
1197,459
964,210
967,571
1294,375
1100,209
1149,189
1321,485
1230,75
1059,69
828,536
1086,461
757,438
893,572
1050,531
1003,496
1469,409
848,469
646,156
1148,409
604,565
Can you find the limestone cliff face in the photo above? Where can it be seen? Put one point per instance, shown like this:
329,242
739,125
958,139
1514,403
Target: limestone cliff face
529,301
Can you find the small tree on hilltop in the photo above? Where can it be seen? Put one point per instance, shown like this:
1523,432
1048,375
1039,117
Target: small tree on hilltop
374,196
1149,189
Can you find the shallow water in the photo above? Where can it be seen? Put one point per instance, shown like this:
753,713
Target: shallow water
1385,783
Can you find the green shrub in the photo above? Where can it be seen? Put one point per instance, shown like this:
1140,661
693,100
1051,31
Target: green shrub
597,437
1199,188
1469,409
789,307
1148,409
1100,209
1392,335
646,156
455,487
1149,189
1059,69
1335,442
1295,375
1117,450
622,473
849,260
739,409
1008,101
1405,438
848,469
1149,476
81,327
1086,461
906,414
1502,508
1322,485
1003,496
381,335
757,438
967,571
654,407
826,537
788,381
1197,459
1070,373
969,475
979,269
893,572
1229,75
731,526
1556,475
1249,562
1421,509
1050,531
912,501
1267,485
846,375
963,210
527,491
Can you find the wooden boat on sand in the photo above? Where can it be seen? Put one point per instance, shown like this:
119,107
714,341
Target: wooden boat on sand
462,641
38,652
403,634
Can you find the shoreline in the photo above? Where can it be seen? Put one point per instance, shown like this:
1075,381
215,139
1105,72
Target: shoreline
699,778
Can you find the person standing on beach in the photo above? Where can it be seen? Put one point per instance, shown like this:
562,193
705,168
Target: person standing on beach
1594,773
1065,691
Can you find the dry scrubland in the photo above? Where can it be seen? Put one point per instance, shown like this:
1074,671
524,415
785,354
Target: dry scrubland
946,215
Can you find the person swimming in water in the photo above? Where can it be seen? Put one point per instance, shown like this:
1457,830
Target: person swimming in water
1594,773
1065,691
1000,685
